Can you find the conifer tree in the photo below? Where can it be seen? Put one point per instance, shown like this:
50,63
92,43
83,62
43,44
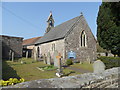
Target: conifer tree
108,26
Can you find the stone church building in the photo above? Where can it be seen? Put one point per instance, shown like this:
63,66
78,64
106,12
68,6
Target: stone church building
73,35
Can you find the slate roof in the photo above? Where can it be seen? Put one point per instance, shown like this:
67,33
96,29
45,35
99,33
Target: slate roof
30,41
59,31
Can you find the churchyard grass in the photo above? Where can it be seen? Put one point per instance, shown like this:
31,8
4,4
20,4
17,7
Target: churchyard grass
84,66
29,71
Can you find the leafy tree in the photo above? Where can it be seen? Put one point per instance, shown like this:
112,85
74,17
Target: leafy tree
108,29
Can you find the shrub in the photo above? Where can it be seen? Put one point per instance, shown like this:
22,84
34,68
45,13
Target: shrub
110,62
69,62
11,81
33,61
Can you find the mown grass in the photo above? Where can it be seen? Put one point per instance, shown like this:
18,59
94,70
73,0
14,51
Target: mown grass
84,66
29,71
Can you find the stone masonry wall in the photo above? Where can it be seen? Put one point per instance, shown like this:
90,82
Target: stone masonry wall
73,42
11,43
47,47
106,79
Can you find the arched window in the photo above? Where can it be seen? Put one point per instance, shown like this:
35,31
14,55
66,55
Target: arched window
83,39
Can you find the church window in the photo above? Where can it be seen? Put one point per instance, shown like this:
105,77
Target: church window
53,47
83,39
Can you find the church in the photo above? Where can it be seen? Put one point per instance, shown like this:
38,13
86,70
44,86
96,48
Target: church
73,35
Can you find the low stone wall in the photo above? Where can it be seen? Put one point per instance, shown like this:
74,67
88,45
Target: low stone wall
106,79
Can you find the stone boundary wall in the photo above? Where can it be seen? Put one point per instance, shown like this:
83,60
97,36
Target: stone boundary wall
107,79
10,43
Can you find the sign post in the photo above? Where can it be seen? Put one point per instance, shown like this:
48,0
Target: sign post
71,55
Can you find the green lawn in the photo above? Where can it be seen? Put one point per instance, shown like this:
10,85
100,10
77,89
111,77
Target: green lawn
84,66
28,71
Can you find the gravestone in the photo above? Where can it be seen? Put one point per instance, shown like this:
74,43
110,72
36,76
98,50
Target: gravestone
55,59
12,56
44,59
88,60
98,66
27,54
48,58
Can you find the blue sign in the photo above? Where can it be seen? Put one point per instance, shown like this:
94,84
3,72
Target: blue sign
71,54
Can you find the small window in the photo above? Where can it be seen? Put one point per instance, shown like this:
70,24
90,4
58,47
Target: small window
53,47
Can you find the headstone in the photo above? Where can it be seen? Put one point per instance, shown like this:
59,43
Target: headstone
48,58
21,62
27,54
12,56
88,60
44,59
55,59
98,66
81,62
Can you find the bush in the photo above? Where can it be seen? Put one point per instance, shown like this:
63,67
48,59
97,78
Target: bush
110,62
11,81
33,61
69,62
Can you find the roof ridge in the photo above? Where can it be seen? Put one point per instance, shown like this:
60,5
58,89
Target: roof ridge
66,21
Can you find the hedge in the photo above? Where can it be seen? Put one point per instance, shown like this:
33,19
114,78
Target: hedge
110,62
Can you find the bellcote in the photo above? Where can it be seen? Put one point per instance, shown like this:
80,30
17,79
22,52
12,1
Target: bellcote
50,22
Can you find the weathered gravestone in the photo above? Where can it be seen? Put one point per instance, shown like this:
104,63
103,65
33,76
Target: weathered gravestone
48,58
12,56
27,54
55,59
98,66
44,59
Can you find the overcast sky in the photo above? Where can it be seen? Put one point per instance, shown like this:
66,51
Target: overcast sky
28,19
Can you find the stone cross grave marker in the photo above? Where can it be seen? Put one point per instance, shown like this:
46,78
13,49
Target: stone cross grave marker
59,73
48,58
44,59
98,66
55,59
